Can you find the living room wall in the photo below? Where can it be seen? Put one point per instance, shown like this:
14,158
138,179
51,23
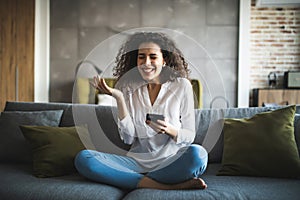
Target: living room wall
78,26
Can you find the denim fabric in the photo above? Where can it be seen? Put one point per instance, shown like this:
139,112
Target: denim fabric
190,162
116,170
124,172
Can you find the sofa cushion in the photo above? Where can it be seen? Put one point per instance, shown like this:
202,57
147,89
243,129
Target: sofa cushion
227,188
102,124
104,135
18,183
13,146
263,145
54,148
67,116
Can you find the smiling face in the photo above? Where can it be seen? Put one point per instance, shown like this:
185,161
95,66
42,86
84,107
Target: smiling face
150,62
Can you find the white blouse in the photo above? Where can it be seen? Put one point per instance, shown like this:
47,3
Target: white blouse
176,102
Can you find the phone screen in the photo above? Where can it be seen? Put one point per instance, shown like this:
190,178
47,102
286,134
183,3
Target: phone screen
154,117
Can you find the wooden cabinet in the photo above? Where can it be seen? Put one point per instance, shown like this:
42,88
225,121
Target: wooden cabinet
16,50
276,96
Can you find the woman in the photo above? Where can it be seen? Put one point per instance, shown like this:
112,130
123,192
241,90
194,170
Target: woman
152,78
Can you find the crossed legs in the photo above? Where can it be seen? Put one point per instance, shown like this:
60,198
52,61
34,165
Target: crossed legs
121,171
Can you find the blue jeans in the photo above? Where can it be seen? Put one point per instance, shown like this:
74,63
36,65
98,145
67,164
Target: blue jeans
124,172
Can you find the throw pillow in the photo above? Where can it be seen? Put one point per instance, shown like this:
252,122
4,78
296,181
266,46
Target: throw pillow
54,148
297,131
106,100
263,145
13,146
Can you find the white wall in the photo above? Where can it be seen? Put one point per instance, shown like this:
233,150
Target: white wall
41,51
244,49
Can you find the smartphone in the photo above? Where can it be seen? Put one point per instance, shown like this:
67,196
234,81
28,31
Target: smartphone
154,117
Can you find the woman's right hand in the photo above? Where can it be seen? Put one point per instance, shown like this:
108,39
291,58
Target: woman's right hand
100,84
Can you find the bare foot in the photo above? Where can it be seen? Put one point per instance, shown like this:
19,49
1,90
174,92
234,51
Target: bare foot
195,183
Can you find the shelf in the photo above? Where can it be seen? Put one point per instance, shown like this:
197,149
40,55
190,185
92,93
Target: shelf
263,96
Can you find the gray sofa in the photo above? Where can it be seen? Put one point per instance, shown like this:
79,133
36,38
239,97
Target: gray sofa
17,181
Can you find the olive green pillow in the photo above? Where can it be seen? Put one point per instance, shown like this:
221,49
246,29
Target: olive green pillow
263,145
54,148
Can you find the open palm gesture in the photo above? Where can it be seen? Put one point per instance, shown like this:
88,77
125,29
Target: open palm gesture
100,84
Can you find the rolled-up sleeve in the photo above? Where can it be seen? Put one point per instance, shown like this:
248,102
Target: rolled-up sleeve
126,129
186,134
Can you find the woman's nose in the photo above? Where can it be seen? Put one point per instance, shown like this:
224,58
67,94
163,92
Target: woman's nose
148,61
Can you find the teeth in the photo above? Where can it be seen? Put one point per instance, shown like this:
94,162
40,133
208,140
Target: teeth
148,69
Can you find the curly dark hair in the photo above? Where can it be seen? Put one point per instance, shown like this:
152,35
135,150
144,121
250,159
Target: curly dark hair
127,55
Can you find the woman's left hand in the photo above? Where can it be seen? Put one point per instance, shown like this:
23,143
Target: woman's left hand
163,127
